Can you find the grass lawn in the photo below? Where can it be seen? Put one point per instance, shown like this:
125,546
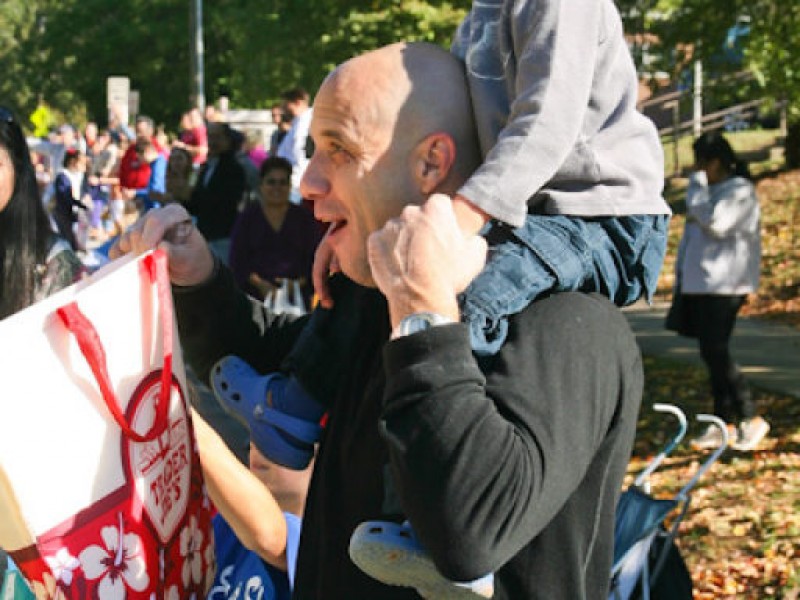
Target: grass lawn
741,536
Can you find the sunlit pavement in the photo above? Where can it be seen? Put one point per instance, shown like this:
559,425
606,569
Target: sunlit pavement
768,353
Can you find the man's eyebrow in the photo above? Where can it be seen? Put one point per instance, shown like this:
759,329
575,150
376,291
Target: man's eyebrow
332,133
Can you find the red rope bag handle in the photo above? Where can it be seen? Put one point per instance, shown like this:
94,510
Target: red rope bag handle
91,347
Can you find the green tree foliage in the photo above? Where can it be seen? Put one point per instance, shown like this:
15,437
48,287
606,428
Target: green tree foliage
24,56
291,42
146,40
698,29
62,52
771,50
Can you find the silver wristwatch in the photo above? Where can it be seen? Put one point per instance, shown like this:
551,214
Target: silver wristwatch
419,322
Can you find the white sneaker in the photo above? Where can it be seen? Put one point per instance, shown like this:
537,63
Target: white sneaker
751,432
712,438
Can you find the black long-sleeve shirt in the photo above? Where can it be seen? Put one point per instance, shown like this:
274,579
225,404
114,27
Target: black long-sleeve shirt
512,464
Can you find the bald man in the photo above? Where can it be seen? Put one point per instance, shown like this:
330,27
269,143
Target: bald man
510,464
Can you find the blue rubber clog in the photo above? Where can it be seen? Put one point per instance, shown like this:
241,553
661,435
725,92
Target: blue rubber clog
260,402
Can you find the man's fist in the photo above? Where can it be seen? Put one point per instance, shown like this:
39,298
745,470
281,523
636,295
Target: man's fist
422,259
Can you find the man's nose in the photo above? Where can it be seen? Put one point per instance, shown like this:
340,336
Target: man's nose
314,184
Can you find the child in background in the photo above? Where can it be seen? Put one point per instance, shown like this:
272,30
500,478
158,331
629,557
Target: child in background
72,197
157,182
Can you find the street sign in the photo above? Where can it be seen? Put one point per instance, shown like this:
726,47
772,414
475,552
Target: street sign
117,95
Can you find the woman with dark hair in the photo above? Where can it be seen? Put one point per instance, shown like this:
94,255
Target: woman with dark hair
34,261
717,267
273,239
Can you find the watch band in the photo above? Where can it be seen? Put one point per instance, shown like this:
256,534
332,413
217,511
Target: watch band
420,321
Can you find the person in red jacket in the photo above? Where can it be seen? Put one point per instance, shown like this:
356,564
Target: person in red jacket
134,174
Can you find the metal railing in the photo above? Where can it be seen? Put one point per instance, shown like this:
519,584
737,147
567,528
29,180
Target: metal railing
715,120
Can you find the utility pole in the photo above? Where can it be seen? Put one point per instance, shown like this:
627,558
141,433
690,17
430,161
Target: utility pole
196,53
697,113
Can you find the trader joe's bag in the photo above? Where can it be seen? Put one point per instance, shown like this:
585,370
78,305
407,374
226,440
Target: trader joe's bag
101,493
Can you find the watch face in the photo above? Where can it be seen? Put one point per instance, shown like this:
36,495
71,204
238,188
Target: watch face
415,323
420,322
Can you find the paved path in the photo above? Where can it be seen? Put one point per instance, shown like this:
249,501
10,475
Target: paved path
768,353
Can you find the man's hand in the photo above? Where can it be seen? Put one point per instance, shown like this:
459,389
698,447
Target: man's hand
325,264
170,228
422,259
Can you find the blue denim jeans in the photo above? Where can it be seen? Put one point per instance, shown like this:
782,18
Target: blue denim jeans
619,257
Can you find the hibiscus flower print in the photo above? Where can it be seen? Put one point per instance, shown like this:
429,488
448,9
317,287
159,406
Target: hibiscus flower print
119,563
191,546
211,561
62,565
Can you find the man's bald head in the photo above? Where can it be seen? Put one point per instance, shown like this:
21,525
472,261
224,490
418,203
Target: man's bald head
413,90
390,128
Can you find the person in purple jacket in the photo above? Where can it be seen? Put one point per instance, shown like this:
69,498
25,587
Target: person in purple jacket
273,239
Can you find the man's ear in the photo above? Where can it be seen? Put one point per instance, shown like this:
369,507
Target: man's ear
433,160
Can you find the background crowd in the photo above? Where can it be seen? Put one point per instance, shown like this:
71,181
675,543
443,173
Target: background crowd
239,185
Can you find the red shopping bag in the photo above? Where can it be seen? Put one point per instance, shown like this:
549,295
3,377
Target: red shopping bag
101,492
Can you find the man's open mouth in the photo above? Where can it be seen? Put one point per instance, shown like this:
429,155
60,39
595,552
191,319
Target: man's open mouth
336,226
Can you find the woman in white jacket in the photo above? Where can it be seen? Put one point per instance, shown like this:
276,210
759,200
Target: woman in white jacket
717,267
